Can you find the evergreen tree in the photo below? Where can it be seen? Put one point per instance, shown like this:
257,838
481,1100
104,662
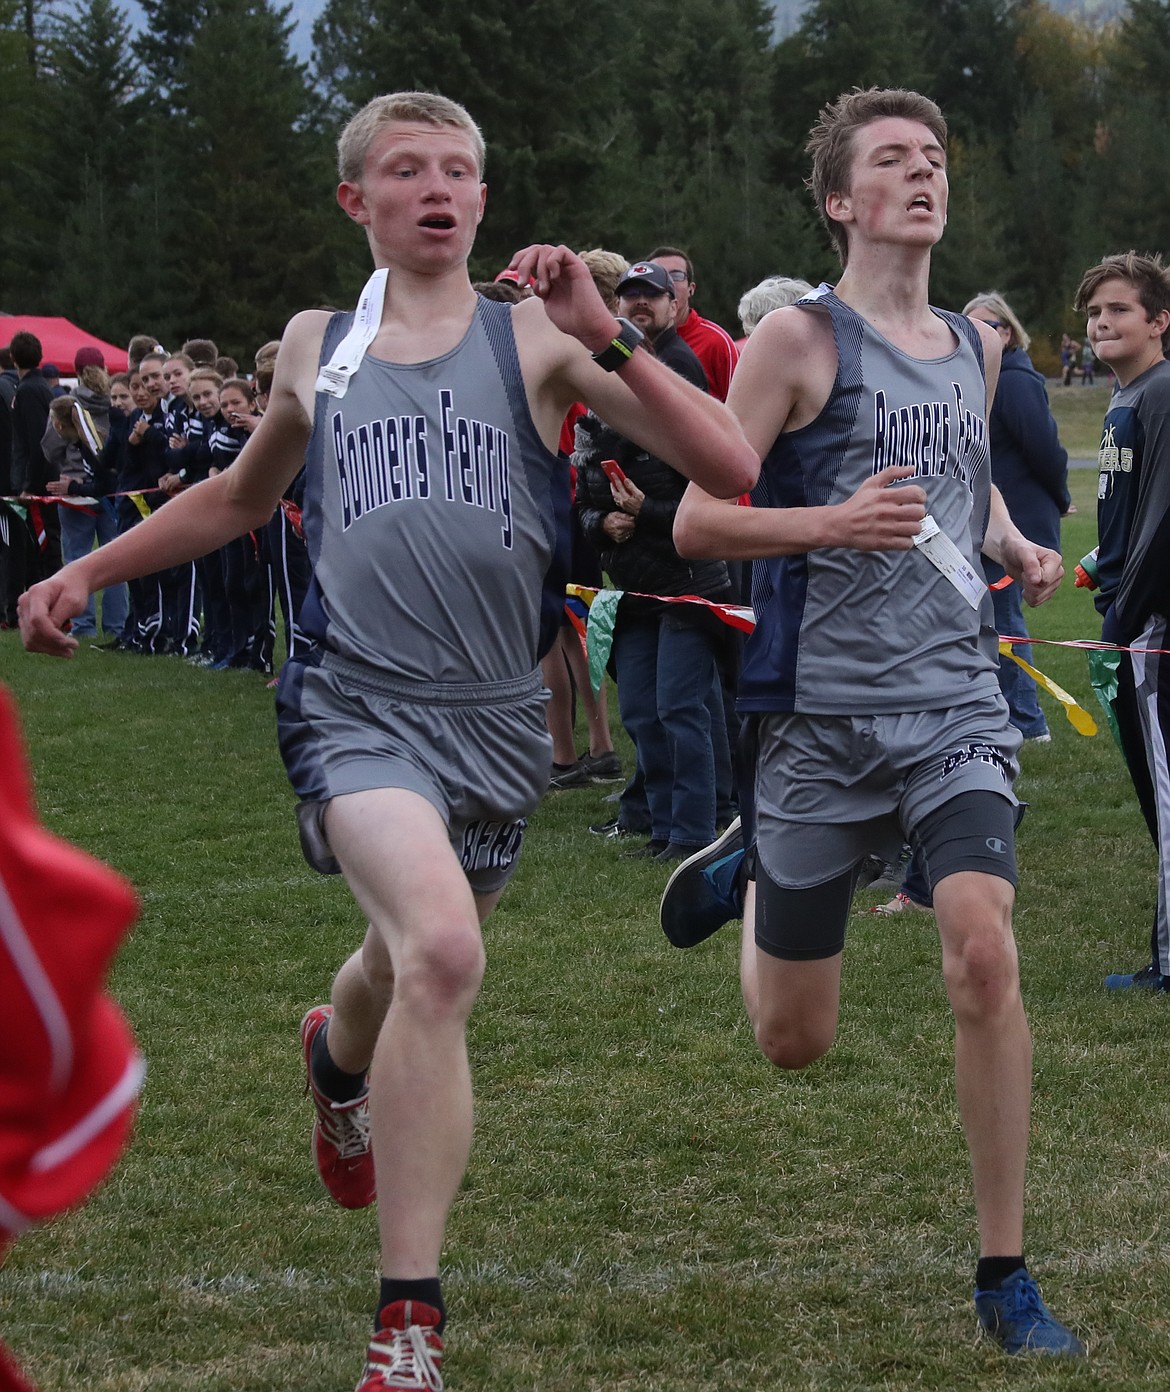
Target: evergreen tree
92,106
192,191
973,255
1038,221
19,150
703,142
1139,57
613,125
839,45
257,229
1060,61
167,35
1125,198
1014,153
970,51
544,79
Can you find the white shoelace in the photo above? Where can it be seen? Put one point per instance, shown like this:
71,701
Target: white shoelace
410,1358
346,1126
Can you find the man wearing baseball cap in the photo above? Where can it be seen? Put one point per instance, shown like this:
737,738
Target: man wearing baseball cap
713,346
646,298
52,374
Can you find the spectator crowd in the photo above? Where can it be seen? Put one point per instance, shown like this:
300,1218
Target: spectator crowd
81,466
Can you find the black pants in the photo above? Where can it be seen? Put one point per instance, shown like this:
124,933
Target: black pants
1143,724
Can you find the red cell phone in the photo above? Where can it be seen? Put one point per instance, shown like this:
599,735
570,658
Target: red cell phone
613,471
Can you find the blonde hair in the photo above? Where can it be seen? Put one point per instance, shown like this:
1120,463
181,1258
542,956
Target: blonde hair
95,378
205,374
425,108
75,425
606,268
994,302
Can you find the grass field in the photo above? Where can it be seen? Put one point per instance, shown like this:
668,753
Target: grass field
1079,412
650,1205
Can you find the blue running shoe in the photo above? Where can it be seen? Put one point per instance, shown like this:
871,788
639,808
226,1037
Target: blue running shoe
1018,1320
1148,979
704,892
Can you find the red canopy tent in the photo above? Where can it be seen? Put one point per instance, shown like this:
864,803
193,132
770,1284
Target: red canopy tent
60,340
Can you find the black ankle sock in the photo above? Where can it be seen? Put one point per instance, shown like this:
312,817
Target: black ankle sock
334,1082
991,1272
426,1291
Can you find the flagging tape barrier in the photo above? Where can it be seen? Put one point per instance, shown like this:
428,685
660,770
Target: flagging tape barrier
596,627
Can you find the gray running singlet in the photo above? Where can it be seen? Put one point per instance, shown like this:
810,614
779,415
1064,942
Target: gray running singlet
845,632
435,518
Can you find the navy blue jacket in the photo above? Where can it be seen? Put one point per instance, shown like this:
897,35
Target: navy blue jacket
30,416
143,464
1029,465
1133,506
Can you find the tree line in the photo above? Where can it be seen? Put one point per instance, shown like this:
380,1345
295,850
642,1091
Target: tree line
180,180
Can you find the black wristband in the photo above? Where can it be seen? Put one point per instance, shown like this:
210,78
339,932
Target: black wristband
621,348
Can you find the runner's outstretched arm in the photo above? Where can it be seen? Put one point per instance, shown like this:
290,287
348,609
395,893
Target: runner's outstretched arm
643,400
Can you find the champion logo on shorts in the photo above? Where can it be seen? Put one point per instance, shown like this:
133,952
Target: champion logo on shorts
976,752
993,843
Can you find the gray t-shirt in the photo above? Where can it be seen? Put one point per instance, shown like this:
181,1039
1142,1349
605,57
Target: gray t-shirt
436,520
845,632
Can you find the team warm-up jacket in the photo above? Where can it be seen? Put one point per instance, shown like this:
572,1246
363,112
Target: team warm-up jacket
1133,505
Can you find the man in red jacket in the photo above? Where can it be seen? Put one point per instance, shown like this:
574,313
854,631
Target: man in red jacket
714,347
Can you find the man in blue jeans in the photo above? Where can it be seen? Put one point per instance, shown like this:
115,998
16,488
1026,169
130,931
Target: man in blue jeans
666,655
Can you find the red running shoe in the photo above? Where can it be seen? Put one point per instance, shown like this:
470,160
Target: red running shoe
404,1355
341,1131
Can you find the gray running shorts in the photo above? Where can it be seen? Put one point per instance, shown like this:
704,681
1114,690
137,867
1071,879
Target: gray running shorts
831,790
480,754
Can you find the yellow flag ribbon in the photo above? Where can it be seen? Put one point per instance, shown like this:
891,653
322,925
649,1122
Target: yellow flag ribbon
1078,718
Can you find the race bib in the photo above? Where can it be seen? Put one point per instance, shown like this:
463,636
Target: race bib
948,560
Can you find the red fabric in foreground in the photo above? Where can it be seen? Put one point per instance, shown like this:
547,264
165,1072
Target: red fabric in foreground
10,1375
69,1072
